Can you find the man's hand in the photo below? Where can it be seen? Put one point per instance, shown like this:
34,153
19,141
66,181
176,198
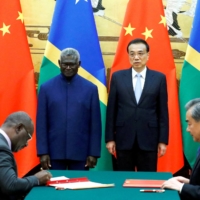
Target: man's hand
45,161
182,179
43,176
91,162
174,183
111,146
162,148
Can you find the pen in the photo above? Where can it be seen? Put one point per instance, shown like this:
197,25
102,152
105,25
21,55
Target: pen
159,191
60,188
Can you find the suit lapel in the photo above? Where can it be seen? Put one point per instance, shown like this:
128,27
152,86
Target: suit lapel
3,139
147,84
196,164
127,80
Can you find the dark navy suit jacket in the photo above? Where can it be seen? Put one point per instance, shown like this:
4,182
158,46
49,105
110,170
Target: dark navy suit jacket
148,120
12,187
68,119
191,191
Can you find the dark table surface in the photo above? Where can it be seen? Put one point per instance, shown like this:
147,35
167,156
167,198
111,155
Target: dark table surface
115,193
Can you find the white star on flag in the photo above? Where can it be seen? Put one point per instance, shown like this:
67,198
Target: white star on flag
79,0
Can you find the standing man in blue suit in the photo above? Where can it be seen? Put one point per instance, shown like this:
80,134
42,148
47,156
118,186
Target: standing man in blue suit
137,113
68,118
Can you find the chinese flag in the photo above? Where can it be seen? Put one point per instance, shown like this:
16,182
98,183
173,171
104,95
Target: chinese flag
17,85
145,19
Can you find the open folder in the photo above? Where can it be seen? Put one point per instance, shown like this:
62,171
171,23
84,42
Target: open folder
143,183
75,183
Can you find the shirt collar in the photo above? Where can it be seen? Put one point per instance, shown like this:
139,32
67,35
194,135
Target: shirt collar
142,73
6,137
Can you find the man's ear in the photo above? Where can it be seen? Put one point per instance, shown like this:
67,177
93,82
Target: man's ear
148,56
79,63
18,127
59,62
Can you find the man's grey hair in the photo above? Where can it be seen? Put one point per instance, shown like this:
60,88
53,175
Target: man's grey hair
70,52
19,117
194,106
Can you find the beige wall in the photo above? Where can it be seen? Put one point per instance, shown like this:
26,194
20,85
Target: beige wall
38,16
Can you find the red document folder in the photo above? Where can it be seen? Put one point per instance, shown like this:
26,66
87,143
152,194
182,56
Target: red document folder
71,180
143,183
76,183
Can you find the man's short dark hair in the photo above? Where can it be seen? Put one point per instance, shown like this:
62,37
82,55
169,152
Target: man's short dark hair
17,118
194,105
137,41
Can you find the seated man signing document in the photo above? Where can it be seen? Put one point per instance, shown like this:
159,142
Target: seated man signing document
189,189
15,133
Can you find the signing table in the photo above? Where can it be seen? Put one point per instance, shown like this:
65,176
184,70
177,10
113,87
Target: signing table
118,192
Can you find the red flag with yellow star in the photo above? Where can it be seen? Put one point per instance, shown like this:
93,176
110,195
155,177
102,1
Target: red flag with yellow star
145,19
17,84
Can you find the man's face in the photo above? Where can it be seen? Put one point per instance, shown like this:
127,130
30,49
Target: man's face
138,56
22,135
69,66
193,127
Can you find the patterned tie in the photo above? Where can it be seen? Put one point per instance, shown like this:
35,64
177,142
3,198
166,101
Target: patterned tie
138,88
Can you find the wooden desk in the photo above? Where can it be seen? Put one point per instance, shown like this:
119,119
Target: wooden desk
116,193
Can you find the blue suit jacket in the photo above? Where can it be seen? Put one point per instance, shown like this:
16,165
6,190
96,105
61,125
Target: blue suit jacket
12,187
148,120
68,119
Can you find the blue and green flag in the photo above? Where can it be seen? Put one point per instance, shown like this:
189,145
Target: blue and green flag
73,25
190,85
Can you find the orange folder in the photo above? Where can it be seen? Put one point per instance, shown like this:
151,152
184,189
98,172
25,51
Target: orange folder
143,183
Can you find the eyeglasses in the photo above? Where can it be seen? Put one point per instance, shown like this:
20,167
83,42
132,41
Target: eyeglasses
71,66
139,54
29,135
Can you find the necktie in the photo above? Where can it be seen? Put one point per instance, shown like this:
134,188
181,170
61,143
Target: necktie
138,88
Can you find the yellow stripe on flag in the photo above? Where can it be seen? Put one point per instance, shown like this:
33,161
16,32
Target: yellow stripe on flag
101,87
52,53
193,57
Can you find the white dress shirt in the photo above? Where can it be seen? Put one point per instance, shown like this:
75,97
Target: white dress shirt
6,137
142,78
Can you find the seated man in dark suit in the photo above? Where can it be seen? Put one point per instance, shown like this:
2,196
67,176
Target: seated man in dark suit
15,133
189,189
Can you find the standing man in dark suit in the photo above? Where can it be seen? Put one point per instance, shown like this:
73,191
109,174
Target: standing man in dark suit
189,189
15,133
68,118
137,113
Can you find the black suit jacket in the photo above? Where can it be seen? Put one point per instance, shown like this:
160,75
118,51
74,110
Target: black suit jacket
148,120
12,187
191,191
